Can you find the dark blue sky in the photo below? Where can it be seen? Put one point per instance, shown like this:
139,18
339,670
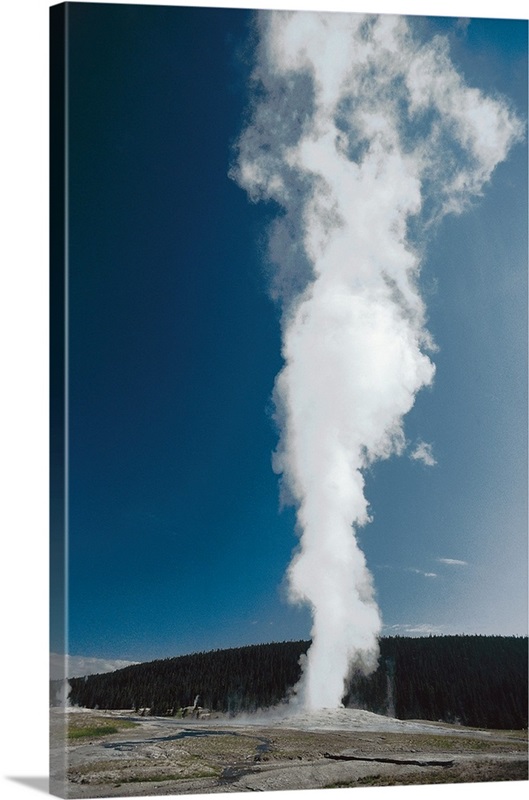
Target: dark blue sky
172,499
177,542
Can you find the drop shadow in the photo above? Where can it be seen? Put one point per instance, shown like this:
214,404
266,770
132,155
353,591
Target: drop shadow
40,784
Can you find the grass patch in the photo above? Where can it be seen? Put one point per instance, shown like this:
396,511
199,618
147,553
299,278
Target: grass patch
162,776
462,773
125,772
89,728
436,742
93,730
461,743
151,778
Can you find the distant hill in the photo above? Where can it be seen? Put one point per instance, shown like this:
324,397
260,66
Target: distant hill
472,680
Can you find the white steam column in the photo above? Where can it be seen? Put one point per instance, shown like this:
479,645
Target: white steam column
366,138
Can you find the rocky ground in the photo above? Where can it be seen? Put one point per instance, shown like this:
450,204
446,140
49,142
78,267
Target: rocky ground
116,754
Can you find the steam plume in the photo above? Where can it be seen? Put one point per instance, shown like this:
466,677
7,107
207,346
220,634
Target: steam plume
365,137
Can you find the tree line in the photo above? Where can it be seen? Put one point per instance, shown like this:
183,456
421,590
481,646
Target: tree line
472,680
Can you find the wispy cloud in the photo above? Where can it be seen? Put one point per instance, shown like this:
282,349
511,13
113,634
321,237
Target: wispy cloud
423,452
78,666
462,25
421,572
415,570
453,562
412,629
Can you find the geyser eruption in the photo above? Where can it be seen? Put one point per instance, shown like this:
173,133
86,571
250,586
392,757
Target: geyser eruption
365,137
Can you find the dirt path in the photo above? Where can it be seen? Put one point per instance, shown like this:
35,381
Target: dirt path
160,756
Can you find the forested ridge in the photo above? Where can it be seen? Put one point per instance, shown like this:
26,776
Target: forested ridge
473,680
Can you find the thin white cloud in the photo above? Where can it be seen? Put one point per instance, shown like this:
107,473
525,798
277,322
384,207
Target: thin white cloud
78,666
421,572
415,570
453,562
412,629
462,25
423,452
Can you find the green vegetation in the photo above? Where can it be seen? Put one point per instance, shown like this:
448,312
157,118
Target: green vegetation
83,729
433,743
146,777
467,773
151,778
239,679
478,681
180,766
94,730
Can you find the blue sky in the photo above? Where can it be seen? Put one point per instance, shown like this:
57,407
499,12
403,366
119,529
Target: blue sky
177,540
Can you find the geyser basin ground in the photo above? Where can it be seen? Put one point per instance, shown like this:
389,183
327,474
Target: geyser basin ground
317,749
